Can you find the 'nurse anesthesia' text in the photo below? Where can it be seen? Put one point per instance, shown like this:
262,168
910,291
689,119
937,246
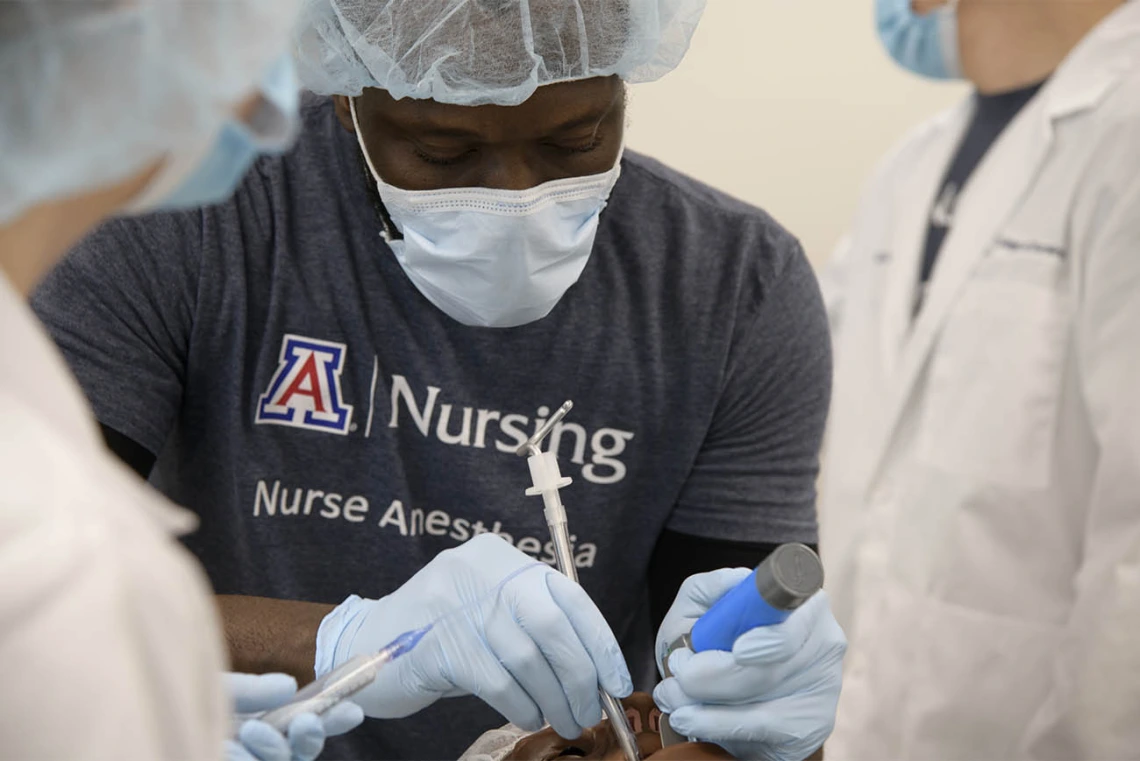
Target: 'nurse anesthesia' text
274,500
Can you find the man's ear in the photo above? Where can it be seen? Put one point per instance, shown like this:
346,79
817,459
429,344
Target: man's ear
340,103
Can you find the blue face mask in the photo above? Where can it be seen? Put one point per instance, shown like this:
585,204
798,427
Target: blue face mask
926,45
211,176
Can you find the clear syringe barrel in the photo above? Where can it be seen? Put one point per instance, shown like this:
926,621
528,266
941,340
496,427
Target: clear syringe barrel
343,682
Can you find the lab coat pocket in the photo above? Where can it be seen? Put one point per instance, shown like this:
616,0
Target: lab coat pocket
995,373
978,678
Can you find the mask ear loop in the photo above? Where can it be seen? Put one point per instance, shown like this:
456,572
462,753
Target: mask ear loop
388,229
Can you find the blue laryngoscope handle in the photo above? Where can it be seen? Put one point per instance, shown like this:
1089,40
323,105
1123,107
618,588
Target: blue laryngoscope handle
768,595
741,610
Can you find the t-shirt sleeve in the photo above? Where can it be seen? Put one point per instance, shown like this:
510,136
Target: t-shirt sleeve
121,307
754,479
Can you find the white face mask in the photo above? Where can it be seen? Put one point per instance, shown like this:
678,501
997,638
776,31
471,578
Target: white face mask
495,258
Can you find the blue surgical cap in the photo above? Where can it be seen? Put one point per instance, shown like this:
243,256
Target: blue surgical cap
474,52
93,91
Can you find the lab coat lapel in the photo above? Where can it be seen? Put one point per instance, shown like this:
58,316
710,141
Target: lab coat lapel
998,186
910,195
914,196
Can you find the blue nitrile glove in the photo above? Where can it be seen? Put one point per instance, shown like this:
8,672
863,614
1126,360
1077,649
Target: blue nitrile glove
536,648
773,697
257,741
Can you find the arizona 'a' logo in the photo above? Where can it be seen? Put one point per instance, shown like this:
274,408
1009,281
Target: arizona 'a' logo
305,390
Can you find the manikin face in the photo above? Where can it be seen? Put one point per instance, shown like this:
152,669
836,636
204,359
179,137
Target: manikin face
598,742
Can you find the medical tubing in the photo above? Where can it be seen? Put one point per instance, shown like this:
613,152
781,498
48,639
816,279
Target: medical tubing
562,556
547,481
610,705
619,724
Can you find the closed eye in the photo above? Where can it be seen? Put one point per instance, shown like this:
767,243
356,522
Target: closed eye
594,143
442,160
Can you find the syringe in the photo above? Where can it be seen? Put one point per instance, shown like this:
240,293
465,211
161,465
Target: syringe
344,681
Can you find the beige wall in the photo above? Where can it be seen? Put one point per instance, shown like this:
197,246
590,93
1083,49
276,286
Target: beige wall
787,104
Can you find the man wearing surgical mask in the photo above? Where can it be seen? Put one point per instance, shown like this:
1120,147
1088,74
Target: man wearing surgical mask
979,511
109,641
335,368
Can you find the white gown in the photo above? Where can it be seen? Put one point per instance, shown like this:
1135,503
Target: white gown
109,642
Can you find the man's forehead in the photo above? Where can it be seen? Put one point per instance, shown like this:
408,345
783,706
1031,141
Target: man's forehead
553,108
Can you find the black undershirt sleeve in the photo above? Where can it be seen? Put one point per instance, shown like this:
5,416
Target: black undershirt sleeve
137,457
679,556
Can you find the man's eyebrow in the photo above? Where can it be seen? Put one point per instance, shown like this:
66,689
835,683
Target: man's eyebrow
590,119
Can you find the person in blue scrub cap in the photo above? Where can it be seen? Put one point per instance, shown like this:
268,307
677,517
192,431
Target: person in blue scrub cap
110,644
336,367
979,518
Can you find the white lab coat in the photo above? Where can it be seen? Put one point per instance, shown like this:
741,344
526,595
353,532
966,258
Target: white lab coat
980,516
109,644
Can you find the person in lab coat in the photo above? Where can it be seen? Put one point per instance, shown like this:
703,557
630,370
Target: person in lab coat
109,642
981,510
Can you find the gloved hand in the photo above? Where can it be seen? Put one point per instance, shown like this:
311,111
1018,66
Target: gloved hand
535,648
773,697
257,741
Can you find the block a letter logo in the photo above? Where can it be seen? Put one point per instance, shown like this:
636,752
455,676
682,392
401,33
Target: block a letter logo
305,390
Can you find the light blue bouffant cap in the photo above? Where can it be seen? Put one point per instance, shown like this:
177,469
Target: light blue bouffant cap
475,52
93,91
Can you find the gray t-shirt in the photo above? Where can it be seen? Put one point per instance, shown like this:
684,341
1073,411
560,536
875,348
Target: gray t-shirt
335,431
